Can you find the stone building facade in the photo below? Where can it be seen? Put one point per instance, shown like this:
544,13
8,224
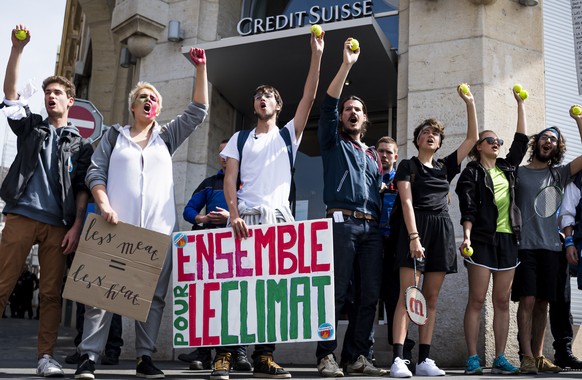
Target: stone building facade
414,54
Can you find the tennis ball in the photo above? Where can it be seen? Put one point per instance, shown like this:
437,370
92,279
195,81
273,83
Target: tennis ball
355,44
468,251
21,34
576,110
523,94
517,88
317,30
464,87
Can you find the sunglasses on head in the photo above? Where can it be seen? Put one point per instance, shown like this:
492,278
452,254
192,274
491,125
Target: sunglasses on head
492,140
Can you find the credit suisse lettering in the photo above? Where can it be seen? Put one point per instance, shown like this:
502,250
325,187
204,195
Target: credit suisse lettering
315,15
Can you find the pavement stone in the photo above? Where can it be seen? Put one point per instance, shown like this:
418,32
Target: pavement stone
18,338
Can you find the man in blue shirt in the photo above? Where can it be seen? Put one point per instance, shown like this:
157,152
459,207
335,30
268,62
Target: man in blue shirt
210,194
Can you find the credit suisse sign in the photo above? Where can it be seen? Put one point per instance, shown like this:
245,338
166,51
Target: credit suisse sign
315,15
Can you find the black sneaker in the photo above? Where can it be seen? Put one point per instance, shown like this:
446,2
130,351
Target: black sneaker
221,366
241,361
568,361
266,367
199,359
85,368
73,358
109,360
147,369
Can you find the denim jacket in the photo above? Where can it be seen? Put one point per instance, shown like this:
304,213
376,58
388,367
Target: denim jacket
352,174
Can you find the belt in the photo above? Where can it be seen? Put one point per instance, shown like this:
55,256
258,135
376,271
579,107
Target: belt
353,213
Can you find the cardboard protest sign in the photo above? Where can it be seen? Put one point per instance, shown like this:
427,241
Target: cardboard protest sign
116,267
277,286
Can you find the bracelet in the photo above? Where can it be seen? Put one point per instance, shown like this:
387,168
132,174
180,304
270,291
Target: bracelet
569,241
416,236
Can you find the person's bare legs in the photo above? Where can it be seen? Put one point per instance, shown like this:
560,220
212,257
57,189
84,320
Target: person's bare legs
478,285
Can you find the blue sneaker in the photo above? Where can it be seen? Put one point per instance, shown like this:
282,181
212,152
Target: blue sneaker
473,366
502,367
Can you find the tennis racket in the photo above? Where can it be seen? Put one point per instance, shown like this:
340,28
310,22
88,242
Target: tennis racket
415,303
548,201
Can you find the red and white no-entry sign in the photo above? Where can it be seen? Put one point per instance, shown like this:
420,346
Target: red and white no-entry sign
85,116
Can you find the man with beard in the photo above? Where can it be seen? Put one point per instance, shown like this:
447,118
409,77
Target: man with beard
352,182
45,196
263,196
536,280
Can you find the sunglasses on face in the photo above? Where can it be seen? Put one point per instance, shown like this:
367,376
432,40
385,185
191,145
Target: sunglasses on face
492,140
552,139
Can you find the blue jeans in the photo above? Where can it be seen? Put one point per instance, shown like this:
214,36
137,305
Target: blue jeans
357,246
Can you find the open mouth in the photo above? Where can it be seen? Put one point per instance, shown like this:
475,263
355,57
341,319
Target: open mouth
353,119
52,103
147,107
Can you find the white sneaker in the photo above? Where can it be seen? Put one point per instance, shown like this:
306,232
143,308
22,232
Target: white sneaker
328,367
400,368
49,367
428,368
363,367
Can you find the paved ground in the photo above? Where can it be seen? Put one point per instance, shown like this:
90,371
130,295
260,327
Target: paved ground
18,360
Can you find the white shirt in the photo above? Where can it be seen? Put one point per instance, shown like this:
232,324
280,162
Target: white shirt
265,172
569,203
140,183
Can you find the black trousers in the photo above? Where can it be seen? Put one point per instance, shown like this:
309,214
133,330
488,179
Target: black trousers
560,313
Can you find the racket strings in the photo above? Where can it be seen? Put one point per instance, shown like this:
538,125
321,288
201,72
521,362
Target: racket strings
548,201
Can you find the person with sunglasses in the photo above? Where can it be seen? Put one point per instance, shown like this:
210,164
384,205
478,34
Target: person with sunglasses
491,227
540,277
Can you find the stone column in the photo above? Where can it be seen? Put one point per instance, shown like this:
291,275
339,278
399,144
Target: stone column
490,45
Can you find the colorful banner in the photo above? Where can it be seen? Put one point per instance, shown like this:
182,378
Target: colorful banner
274,287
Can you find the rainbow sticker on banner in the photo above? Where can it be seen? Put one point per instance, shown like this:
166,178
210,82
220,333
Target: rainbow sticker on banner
180,240
325,331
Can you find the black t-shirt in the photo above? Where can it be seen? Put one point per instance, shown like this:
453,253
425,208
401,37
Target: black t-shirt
430,186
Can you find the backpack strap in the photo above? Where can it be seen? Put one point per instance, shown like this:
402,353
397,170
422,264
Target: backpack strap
284,132
243,136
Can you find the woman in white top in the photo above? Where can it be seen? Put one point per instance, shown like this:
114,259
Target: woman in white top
131,179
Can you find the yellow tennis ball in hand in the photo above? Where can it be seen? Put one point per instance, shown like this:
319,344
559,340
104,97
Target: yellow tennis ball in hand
21,34
523,94
517,88
355,44
576,110
317,30
468,251
464,87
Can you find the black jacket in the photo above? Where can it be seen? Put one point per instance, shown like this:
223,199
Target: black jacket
477,198
31,132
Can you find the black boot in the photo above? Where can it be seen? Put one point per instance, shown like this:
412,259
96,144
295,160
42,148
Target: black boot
567,360
241,361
